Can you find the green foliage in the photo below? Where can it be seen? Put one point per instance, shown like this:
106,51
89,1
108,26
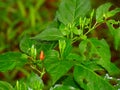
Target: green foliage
70,81
11,60
99,52
33,82
114,32
5,86
21,86
87,79
71,10
71,58
25,44
53,64
103,12
50,35
32,47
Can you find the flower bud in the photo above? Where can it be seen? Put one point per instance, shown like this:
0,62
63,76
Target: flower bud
42,55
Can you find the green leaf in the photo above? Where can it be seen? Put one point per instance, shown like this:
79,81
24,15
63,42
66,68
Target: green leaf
35,82
32,82
112,12
45,46
62,46
71,10
105,56
99,52
74,56
115,32
55,66
64,29
69,81
117,38
54,24
83,48
68,48
102,48
76,31
111,68
5,86
49,34
25,44
103,12
63,87
88,79
10,60
110,26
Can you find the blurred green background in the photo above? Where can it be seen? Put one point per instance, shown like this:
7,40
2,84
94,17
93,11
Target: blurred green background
20,17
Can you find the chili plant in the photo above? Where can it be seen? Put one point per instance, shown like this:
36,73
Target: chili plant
67,53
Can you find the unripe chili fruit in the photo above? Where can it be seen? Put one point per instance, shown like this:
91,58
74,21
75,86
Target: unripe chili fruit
42,55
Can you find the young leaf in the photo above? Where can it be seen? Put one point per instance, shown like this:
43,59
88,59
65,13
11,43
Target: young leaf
88,79
10,60
5,86
26,43
68,48
103,12
56,67
71,10
49,34
112,12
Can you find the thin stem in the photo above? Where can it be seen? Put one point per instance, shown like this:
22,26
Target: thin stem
76,39
34,68
71,35
94,26
42,73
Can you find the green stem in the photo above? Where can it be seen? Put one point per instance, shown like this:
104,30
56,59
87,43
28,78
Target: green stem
71,35
94,26
42,73
76,39
34,68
